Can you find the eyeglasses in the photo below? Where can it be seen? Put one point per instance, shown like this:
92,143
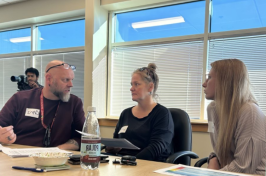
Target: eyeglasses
145,68
65,65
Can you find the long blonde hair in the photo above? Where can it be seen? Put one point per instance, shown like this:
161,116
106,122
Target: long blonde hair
232,91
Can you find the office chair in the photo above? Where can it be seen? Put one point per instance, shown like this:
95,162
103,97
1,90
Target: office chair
182,140
201,162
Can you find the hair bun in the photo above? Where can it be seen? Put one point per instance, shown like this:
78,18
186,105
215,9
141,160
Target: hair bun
152,66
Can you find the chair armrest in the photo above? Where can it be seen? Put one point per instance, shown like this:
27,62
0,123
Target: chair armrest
172,158
201,162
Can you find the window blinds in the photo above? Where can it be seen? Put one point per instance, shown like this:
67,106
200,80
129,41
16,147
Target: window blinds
11,67
180,67
73,58
99,79
251,50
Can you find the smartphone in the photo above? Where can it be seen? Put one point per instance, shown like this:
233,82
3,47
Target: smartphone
73,162
75,157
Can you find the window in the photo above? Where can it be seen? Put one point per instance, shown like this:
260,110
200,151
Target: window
179,62
61,35
11,67
161,22
182,61
68,35
249,49
179,70
237,14
15,41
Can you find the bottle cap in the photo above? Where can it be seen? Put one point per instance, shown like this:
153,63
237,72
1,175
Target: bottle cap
91,109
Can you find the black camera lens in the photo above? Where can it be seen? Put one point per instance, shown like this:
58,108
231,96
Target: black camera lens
15,78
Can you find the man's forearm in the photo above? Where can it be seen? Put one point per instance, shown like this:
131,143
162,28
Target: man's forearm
71,144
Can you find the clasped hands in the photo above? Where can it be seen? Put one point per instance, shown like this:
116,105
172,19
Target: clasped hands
7,135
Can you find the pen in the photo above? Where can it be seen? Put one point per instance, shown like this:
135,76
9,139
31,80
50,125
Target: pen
27,168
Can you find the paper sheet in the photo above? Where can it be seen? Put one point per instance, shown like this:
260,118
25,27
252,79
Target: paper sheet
182,170
25,152
1,147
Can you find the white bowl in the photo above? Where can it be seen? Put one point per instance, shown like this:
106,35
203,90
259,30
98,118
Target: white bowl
50,158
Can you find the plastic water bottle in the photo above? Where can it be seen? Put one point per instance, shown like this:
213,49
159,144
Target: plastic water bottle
90,149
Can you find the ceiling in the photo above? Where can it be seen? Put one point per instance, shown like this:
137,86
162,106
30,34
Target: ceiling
6,2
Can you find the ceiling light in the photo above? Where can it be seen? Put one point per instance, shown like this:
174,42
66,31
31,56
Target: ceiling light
21,39
160,22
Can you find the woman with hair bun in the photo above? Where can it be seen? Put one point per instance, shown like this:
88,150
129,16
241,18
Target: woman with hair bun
238,126
148,125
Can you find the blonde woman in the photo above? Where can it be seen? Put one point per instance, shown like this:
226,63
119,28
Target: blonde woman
238,125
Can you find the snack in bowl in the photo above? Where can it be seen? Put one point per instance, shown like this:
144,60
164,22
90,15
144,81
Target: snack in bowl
50,158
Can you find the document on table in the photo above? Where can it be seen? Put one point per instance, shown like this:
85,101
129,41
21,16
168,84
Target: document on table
1,147
182,170
25,152
118,142
114,142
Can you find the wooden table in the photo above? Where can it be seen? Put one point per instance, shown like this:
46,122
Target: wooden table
143,168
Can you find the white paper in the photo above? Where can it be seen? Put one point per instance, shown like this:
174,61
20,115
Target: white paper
87,134
182,170
123,129
25,152
30,112
1,147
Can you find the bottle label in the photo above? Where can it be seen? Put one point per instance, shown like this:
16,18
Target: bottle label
90,150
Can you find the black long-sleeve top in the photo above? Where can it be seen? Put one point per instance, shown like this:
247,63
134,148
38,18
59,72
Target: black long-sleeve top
152,134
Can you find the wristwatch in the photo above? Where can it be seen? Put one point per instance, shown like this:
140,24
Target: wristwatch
212,155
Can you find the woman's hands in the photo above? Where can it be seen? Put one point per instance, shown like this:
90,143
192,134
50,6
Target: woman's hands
113,150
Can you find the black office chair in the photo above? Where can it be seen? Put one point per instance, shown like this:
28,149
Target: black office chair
182,140
201,162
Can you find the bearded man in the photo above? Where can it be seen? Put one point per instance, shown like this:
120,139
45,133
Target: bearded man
45,117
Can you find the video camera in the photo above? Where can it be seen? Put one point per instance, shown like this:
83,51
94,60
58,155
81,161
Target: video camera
22,82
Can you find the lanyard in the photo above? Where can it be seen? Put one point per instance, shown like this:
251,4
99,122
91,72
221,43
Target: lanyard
42,113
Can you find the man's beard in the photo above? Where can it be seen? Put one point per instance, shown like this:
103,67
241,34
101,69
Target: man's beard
63,97
60,94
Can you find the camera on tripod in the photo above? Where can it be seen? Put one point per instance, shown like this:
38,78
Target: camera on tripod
22,81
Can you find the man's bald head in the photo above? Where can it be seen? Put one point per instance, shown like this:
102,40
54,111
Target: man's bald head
53,63
58,79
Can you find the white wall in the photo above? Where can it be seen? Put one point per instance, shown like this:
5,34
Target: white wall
35,11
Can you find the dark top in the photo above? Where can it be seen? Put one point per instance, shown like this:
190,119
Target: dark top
27,86
152,134
29,130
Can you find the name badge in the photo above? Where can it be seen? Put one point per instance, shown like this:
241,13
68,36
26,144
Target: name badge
32,112
210,127
123,129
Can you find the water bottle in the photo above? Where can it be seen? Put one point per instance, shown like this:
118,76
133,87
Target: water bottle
90,149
